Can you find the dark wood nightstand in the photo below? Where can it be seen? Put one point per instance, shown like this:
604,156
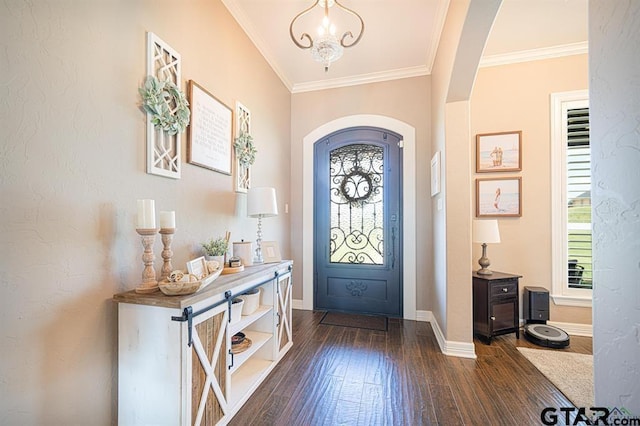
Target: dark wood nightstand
495,305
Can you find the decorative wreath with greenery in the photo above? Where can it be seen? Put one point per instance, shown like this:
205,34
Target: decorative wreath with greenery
157,100
245,149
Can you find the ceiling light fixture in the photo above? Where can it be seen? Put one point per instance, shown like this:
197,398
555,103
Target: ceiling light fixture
327,48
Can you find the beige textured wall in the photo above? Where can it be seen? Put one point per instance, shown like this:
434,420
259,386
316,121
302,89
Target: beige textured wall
72,164
407,100
516,97
441,76
614,70
465,32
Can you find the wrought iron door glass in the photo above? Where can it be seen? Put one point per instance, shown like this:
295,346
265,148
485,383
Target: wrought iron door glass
356,194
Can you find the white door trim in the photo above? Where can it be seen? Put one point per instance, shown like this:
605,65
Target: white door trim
408,134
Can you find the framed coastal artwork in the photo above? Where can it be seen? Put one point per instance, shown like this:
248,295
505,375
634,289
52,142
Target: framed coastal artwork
499,152
499,197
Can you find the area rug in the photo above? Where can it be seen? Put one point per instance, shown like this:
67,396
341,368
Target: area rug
571,373
341,319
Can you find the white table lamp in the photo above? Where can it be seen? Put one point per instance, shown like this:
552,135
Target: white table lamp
261,202
485,231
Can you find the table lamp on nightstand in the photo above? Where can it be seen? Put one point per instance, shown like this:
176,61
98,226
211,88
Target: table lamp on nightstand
485,231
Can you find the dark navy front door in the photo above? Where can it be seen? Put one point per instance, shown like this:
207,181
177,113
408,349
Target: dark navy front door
358,222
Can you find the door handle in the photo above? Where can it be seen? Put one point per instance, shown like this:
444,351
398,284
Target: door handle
393,247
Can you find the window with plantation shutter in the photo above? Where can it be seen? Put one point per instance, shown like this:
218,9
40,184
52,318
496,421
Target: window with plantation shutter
579,273
572,266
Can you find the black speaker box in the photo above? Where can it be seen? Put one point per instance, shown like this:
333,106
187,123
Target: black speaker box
536,305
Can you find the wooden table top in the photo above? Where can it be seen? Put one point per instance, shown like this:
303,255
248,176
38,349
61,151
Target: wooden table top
215,290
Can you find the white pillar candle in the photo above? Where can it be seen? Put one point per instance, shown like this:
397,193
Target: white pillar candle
146,214
168,220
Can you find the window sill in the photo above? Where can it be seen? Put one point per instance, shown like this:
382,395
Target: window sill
579,301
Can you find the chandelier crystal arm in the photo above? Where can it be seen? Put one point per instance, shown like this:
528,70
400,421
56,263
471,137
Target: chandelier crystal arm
304,35
349,33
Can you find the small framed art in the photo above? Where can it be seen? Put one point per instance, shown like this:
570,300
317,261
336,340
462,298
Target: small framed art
499,152
499,197
271,252
197,267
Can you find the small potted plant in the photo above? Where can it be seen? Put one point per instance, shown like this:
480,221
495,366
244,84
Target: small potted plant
215,249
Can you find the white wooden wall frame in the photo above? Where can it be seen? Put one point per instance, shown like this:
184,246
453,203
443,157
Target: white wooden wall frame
243,126
163,150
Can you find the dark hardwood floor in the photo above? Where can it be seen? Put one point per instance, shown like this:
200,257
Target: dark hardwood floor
349,376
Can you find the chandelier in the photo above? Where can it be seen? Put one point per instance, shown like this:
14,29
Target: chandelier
327,48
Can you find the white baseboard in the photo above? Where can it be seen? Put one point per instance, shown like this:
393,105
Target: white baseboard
574,329
424,316
450,348
467,350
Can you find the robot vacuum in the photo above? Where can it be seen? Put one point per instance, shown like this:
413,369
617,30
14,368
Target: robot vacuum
536,314
546,335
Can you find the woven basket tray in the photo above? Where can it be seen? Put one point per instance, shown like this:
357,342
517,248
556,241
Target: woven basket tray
181,288
241,347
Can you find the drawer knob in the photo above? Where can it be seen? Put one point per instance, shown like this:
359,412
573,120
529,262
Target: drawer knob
493,318
504,289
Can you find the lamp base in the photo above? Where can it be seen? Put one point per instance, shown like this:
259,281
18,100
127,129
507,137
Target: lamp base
258,259
484,262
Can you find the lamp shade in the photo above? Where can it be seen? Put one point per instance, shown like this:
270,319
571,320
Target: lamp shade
261,202
486,231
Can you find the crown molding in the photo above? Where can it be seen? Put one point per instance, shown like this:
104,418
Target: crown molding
361,79
535,54
245,24
441,17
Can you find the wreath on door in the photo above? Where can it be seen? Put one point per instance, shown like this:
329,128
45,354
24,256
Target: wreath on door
356,186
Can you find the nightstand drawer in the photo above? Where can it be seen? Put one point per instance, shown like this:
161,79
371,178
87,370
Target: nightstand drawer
507,288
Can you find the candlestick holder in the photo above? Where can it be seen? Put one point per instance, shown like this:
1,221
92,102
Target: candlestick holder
149,282
167,254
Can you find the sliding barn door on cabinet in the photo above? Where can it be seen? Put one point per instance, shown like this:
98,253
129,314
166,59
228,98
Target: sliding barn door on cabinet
209,367
285,331
176,363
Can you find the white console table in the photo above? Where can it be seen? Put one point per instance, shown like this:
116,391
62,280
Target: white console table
175,365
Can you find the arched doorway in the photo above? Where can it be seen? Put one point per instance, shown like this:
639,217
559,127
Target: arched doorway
408,202
358,222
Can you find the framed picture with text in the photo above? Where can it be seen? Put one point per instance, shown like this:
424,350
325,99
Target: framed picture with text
210,131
